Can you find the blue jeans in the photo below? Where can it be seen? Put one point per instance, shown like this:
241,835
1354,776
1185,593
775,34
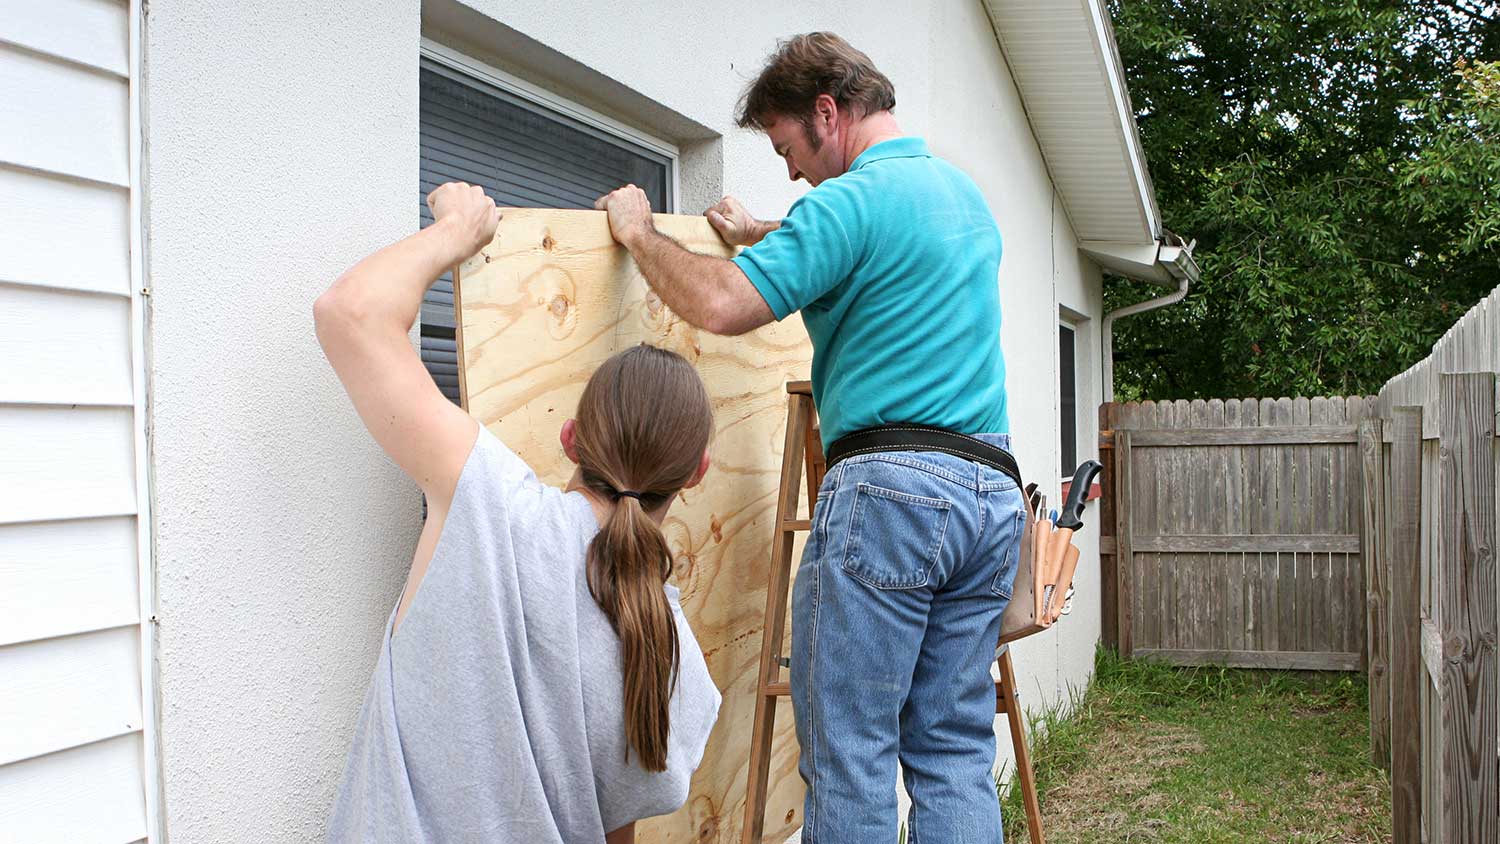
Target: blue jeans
895,616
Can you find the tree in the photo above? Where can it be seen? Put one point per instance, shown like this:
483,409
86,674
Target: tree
1337,162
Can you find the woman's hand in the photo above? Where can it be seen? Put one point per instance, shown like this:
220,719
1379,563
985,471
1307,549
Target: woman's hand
467,214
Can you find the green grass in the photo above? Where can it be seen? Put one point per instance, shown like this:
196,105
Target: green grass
1155,753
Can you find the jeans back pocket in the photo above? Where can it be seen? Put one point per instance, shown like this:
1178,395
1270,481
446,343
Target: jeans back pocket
894,537
1010,558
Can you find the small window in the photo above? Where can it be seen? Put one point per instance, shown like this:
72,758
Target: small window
523,154
1067,388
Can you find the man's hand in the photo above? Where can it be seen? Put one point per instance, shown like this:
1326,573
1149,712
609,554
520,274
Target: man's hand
467,214
735,224
629,213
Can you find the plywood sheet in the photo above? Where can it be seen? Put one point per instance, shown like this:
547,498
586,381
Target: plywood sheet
539,309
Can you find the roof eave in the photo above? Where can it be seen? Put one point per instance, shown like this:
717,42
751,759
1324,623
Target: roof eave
1115,217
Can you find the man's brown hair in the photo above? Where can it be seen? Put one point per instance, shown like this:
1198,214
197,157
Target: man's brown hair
805,66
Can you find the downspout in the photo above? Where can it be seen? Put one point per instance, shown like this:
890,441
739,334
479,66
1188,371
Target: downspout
1178,262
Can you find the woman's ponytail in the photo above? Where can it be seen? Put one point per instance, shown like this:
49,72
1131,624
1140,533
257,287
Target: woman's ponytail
628,561
644,421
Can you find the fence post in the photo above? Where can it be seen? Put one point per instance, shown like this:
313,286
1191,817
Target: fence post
1372,549
1123,562
1404,551
1467,619
1109,558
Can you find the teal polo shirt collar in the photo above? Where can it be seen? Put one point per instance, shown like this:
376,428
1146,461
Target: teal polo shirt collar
894,148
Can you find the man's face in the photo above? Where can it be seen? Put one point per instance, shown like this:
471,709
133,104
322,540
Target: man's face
805,148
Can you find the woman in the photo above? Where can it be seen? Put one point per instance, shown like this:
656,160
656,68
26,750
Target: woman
537,681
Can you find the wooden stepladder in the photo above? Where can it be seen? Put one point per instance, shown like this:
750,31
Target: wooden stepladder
803,453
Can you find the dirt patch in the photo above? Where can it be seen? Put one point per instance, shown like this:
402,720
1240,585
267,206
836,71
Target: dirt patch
1117,780
1354,809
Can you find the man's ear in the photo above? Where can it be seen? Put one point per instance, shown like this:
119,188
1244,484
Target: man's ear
827,108
568,436
702,470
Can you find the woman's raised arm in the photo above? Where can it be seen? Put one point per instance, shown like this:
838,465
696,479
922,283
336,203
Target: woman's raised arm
362,323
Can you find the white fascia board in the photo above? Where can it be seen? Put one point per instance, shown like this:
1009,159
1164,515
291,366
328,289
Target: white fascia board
1132,260
1158,262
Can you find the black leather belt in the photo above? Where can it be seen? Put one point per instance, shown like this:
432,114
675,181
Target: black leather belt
909,437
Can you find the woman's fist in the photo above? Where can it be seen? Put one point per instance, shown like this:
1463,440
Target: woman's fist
469,215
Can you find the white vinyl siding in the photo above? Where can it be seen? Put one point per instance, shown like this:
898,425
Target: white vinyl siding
1067,70
94,678
87,794
40,243
75,703
67,577
70,120
62,347
64,462
88,32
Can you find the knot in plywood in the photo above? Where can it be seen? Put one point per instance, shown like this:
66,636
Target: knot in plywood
663,328
555,291
709,830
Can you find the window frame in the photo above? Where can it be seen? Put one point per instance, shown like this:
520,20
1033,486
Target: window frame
1070,325
550,101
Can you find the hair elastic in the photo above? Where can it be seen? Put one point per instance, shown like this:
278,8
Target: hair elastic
627,494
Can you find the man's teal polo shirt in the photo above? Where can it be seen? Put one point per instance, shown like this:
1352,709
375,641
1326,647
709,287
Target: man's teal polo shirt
894,266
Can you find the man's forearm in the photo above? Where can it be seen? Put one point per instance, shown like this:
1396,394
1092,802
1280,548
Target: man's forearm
692,285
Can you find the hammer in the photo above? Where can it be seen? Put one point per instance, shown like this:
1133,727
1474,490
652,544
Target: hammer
1062,555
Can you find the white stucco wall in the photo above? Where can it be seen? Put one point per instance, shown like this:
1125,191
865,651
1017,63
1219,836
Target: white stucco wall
282,142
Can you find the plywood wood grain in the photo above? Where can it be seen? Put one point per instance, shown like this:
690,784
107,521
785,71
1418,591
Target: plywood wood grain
539,309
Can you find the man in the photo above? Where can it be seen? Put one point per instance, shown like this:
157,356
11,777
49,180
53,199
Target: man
892,258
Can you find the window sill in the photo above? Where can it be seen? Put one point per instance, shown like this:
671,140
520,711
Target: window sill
1093,493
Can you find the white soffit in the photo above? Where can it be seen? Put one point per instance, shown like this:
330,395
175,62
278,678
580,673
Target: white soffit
1063,58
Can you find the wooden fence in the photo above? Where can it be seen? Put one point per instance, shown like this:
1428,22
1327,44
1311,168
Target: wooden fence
1431,458
1236,531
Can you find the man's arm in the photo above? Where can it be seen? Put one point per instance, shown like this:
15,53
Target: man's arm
362,323
710,293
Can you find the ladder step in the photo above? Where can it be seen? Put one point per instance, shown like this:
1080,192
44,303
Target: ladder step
797,524
778,690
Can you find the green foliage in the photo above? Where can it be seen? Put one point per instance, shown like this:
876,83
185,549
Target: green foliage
1337,162
1455,180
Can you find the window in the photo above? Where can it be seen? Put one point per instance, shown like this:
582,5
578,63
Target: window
1067,388
478,127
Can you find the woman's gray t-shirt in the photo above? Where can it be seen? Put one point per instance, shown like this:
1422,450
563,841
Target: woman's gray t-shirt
496,711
